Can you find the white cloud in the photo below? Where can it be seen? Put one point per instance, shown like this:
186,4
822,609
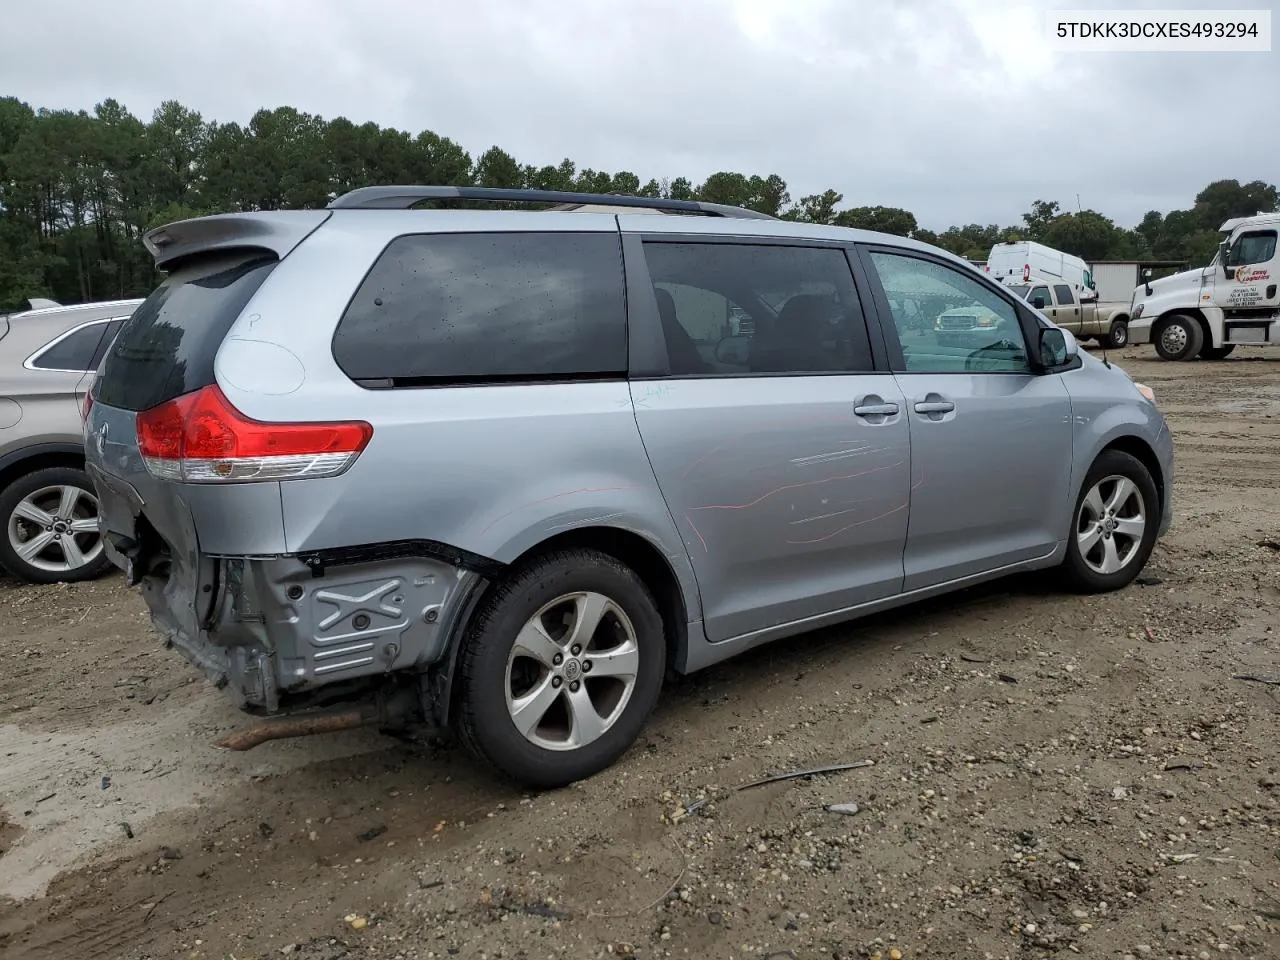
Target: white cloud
954,109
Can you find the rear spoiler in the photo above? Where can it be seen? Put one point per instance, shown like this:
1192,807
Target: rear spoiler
278,232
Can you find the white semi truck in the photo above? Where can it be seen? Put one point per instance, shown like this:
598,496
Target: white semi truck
1208,311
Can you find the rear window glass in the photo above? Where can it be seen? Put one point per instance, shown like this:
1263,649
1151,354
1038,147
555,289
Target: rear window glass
75,351
488,308
167,347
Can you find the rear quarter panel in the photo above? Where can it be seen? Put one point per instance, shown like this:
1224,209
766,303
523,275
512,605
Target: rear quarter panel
493,470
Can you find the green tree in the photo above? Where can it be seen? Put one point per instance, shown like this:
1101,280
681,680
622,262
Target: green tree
816,207
79,188
1042,213
1223,200
893,220
1088,235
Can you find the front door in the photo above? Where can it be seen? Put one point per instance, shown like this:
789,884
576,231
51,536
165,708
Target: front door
990,440
783,456
1251,294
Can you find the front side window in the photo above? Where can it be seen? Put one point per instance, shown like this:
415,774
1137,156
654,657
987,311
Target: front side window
457,308
1258,246
976,330
1046,301
75,351
733,308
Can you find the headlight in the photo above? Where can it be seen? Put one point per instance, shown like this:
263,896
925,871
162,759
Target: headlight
1146,392
986,321
1137,311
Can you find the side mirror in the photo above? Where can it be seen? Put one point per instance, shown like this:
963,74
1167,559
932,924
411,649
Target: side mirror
733,350
1038,302
1146,274
1055,347
1224,254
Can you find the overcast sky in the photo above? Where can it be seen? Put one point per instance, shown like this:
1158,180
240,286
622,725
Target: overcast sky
954,109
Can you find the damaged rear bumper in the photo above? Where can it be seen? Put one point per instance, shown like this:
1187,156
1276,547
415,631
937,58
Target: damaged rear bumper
286,632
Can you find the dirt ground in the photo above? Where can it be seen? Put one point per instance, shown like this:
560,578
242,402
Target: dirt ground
1052,775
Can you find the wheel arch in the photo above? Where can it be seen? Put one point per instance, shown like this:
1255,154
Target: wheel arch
1145,454
628,547
1194,313
40,456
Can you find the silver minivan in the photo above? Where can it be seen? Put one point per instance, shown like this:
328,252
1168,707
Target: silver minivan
505,469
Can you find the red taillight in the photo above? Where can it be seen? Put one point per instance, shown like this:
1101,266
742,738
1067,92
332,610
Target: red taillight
86,406
201,437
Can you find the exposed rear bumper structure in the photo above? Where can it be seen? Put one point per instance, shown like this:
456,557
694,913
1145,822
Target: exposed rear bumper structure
279,630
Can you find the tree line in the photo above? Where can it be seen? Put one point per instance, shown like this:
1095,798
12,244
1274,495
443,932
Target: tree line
78,189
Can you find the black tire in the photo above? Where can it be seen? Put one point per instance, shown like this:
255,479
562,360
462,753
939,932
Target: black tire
1212,353
1118,337
18,491
1080,574
1178,337
484,723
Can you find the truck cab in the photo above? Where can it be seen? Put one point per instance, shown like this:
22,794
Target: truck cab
1207,312
1080,314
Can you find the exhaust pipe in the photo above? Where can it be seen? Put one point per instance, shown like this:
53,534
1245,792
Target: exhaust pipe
302,725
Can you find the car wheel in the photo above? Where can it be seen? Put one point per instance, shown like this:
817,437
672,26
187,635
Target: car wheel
1178,338
1115,524
560,669
51,530
1210,352
1118,337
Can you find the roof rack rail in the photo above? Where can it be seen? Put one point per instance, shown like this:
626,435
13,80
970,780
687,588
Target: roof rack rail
404,197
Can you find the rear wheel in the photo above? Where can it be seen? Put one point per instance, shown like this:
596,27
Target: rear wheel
1178,338
1210,352
51,530
560,669
1118,336
1117,518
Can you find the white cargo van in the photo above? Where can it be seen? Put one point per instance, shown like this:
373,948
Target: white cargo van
1019,261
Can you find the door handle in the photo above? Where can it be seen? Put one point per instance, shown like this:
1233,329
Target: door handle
934,406
876,409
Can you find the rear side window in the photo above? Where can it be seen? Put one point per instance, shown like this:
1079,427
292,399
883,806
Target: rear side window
742,309
488,308
166,348
75,351
1063,293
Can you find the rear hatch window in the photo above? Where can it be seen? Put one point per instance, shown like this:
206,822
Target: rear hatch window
166,349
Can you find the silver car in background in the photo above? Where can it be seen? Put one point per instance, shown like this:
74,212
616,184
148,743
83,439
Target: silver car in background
48,507
505,469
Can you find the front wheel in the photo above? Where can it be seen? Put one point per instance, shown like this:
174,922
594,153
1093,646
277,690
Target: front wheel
1178,338
1210,352
560,669
1117,518
1117,337
51,527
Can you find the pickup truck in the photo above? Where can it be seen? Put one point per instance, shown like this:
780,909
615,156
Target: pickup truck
1086,319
